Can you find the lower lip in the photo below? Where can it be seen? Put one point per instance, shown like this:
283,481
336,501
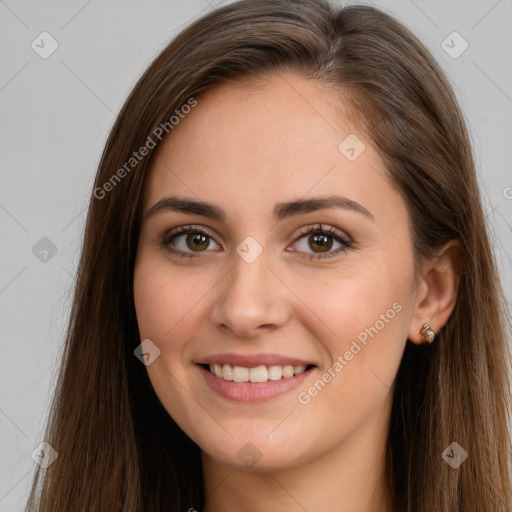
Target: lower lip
253,391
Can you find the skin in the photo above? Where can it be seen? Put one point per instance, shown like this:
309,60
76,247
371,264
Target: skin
244,148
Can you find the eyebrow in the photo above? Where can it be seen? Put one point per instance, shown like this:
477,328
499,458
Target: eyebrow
281,210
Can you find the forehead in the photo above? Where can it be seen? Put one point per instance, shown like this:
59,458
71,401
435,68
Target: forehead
263,142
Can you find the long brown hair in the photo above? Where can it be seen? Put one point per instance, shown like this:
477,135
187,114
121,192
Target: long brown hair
118,449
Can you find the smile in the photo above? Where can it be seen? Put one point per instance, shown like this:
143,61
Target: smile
255,382
262,373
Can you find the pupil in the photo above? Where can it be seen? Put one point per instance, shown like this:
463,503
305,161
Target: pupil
320,240
198,239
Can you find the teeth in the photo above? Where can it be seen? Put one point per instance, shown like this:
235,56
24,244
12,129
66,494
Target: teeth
275,372
226,372
258,374
240,374
287,371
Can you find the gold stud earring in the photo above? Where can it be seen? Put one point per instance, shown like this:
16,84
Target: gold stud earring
428,333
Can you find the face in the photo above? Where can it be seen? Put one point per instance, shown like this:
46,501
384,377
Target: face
310,303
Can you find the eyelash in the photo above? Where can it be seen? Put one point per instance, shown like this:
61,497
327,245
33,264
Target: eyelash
316,230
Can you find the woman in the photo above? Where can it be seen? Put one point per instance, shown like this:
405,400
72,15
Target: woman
286,295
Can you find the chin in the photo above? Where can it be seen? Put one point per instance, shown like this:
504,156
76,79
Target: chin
259,452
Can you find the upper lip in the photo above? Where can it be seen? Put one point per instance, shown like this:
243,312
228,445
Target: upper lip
253,360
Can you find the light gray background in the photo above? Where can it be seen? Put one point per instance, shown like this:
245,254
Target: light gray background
55,116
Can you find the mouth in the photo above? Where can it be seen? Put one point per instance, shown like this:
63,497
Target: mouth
254,378
256,374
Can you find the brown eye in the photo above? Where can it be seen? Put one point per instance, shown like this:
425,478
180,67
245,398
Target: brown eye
321,241
187,240
197,242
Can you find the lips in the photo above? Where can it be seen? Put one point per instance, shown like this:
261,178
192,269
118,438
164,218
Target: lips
253,391
253,377
254,360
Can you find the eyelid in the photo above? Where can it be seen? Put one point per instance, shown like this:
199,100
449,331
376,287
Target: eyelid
324,228
187,229
340,236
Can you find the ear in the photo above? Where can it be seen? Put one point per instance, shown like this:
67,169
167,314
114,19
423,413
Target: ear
436,294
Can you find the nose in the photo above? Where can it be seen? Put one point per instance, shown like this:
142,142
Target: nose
251,299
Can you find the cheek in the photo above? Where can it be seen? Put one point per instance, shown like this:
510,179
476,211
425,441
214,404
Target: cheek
164,304
365,317
163,299
352,304
364,354
170,306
